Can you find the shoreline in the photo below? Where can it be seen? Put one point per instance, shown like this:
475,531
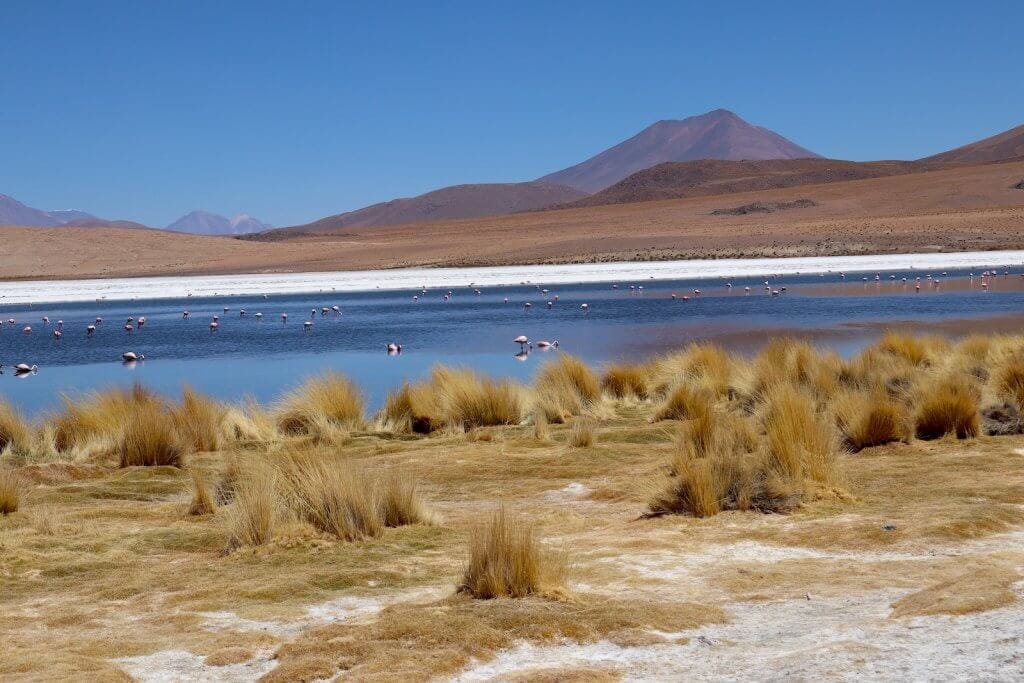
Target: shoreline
181,286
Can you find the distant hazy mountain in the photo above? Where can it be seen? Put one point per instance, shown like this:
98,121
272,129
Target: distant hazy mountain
450,203
718,134
1006,145
207,223
13,212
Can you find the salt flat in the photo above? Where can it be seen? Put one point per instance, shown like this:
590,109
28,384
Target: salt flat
42,291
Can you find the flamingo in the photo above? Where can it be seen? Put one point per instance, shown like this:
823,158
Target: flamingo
259,316
336,310
25,368
544,344
57,334
241,313
60,325
394,348
522,340
307,326
90,330
46,320
585,307
27,329
213,326
128,328
131,357
184,315
551,304
284,317
142,321
527,306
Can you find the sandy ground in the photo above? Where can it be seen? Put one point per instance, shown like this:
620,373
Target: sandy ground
36,291
964,209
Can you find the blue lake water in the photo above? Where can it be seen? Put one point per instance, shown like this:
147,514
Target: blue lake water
263,359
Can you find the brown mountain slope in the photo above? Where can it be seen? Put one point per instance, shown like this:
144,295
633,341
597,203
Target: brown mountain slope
1006,145
448,203
961,208
718,134
674,180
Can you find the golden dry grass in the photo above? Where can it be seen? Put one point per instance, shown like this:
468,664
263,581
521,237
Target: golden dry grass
626,381
506,560
566,387
684,402
15,435
254,511
948,406
200,421
10,491
872,420
331,494
582,434
323,407
202,502
150,439
454,398
111,546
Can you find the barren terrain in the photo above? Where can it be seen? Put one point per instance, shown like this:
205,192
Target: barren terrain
969,208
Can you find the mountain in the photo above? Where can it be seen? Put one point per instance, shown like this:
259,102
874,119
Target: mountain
13,212
448,203
679,179
65,216
201,222
718,134
1001,147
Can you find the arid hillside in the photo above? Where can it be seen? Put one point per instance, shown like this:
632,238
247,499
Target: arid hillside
963,208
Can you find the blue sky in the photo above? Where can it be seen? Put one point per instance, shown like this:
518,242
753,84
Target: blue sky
292,111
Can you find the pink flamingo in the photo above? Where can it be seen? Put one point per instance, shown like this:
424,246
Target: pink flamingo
90,330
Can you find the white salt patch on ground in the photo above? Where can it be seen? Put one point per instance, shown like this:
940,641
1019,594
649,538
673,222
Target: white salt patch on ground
174,666
839,639
40,291
345,608
570,491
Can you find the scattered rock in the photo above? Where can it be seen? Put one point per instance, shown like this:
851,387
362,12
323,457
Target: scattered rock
1019,186
889,526
764,207
1000,420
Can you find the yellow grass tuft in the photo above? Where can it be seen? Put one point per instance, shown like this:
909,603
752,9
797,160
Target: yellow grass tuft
948,406
505,560
582,434
150,439
10,491
541,429
454,398
97,421
903,346
202,502
200,421
331,494
871,420
15,435
802,443
626,381
683,403
254,511
470,400
322,407
1010,383
399,501
566,387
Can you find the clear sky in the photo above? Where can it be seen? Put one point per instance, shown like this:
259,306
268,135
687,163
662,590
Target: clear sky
295,110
